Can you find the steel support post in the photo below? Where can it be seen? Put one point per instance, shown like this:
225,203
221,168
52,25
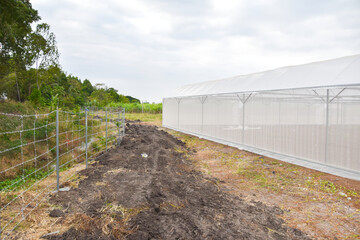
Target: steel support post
202,100
123,122
57,151
202,117
106,133
243,120
119,128
86,137
327,125
178,112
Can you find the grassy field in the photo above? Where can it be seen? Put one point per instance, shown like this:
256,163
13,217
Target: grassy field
153,108
155,119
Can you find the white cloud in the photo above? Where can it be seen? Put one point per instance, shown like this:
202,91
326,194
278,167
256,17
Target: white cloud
147,48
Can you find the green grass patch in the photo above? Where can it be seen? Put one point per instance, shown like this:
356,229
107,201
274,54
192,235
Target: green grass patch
18,182
145,117
138,107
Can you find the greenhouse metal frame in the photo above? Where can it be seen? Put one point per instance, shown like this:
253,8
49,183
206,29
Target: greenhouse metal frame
308,115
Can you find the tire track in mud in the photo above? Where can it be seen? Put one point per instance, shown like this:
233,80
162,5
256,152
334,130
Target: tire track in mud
171,200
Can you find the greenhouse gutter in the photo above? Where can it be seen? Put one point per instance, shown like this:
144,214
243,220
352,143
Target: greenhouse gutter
346,173
265,91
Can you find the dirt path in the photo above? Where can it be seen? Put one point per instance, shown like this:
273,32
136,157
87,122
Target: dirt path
161,196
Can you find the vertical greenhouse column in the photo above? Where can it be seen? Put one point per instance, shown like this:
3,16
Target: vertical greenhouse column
328,101
178,113
57,151
243,99
106,133
327,125
86,138
202,100
243,120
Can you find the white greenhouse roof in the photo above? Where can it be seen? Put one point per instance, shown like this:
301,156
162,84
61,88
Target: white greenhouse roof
343,71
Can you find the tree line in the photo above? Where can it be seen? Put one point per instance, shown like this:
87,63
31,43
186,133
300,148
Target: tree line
30,68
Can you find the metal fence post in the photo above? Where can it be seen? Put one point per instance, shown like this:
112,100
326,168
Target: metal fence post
57,151
123,121
86,138
119,127
106,134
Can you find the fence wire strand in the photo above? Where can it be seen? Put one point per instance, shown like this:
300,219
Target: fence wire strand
33,158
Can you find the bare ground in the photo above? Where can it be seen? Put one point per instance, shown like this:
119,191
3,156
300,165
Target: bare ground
161,196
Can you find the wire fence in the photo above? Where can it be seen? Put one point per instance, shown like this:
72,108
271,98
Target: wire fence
41,152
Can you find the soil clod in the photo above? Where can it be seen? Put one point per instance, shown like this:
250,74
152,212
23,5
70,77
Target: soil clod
56,213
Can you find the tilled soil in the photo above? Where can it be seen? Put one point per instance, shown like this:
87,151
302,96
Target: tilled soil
163,195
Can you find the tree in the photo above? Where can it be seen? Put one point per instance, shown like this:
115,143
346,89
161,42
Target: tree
44,51
35,96
132,99
87,88
21,47
123,99
112,94
100,97
16,17
57,93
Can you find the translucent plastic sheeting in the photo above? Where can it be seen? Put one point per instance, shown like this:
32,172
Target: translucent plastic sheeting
320,126
343,71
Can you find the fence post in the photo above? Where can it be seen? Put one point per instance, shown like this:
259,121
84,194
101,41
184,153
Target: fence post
86,138
57,151
123,121
106,135
119,127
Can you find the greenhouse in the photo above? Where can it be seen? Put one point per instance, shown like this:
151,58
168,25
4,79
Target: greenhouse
308,114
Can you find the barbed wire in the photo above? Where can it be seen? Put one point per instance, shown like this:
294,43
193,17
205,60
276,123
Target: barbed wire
29,129
24,115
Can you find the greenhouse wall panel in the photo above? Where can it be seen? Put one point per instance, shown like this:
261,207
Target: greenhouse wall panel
314,126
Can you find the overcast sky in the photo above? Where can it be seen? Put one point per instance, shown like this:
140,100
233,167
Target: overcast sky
147,48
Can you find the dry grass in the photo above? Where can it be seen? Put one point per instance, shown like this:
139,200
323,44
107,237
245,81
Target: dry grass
100,184
322,205
106,225
169,206
38,222
116,171
116,211
112,222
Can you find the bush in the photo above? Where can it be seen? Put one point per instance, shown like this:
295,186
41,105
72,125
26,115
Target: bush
35,96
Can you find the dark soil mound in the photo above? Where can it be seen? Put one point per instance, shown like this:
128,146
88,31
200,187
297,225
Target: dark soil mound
164,197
